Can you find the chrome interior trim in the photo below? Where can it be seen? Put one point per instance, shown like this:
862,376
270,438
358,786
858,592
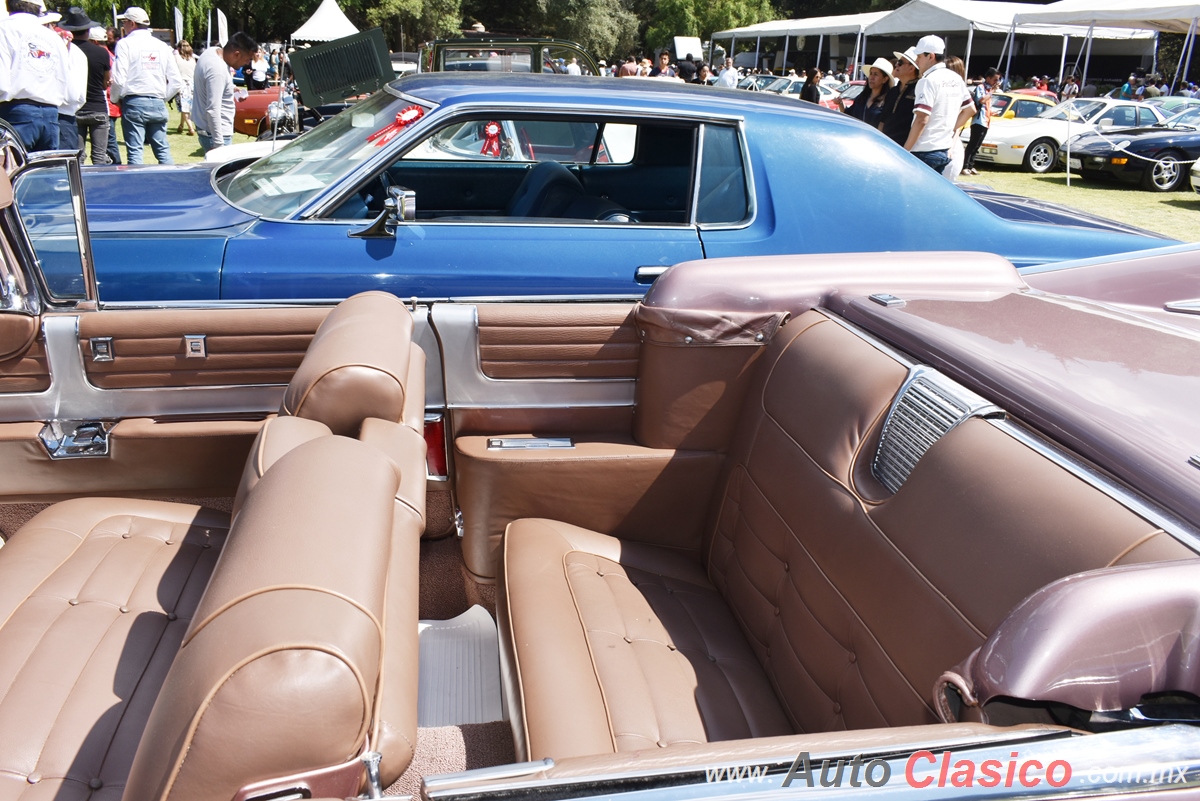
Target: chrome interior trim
72,397
433,784
928,406
425,337
457,328
672,783
1152,512
529,443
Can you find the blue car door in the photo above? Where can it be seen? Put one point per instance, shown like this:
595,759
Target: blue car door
509,207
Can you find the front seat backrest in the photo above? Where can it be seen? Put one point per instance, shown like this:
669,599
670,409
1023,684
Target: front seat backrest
546,191
357,365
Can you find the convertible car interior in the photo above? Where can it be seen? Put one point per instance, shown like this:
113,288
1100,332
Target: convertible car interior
265,551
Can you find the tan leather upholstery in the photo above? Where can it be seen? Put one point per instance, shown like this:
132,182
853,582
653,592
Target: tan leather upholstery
556,340
305,644
623,646
278,436
95,596
23,363
356,366
614,486
300,594
245,346
146,457
852,601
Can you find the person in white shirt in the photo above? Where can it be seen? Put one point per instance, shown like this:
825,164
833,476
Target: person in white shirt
33,75
943,105
729,76
573,67
144,77
213,105
258,71
77,79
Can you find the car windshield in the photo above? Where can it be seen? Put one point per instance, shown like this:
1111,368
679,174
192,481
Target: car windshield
279,184
1184,119
1074,110
778,85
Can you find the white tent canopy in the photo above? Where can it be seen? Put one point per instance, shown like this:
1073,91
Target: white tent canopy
919,17
813,26
327,23
1113,14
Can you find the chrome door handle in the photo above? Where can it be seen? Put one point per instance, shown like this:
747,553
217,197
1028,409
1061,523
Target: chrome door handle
648,272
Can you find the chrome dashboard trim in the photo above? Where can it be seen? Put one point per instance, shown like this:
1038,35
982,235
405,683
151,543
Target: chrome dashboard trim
457,328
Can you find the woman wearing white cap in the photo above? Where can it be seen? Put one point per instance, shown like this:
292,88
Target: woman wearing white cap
868,106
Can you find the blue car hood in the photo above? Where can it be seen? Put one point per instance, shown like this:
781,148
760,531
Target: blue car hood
156,200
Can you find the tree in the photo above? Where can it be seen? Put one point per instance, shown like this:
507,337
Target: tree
601,26
702,17
421,20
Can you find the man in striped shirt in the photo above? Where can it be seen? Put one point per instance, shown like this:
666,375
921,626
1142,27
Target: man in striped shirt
943,106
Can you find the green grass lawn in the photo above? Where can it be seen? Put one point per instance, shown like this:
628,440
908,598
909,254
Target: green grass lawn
1172,214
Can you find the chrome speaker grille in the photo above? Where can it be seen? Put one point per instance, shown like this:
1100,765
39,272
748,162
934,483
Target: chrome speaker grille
927,407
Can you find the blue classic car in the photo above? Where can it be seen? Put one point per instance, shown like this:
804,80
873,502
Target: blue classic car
1158,157
452,185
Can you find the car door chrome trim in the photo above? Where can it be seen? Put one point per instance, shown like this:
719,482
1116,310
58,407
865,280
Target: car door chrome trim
748,172
72,397
457,328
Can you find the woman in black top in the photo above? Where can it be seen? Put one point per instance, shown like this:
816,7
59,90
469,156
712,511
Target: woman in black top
869,104
809,91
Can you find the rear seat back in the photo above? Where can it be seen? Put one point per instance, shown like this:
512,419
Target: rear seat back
281,669
856,599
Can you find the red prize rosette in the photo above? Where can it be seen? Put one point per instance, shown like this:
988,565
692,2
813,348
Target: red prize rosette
405,118
491,141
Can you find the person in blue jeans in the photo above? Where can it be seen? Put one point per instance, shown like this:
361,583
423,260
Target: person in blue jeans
33,75
144,77
144,119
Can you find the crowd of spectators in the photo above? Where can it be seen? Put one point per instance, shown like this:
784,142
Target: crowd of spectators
65,80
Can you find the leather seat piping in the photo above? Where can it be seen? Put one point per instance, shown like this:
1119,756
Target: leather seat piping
316,382
195,722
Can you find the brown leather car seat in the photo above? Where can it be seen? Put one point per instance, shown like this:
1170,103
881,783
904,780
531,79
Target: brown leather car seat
282,668
95,593
821,600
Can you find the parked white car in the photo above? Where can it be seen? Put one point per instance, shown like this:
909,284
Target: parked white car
789,86
1034,143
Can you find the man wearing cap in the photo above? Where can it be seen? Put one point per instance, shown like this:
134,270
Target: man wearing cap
897,117
144,77
33,75
943,105
76,24
91,121
213,105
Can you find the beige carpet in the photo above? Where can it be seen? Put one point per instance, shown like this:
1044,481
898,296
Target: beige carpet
450,749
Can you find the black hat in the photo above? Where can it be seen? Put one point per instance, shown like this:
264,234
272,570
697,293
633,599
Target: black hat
76,20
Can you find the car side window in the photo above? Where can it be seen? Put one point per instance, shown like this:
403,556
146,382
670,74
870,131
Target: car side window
487,59
1146,117
1028,108
723,195
552,167
48,210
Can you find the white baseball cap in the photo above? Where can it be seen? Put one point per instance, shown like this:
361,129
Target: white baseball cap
97,34
136,15
49,18
931,44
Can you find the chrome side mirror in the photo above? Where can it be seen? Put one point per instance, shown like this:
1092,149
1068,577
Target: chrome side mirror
400,206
